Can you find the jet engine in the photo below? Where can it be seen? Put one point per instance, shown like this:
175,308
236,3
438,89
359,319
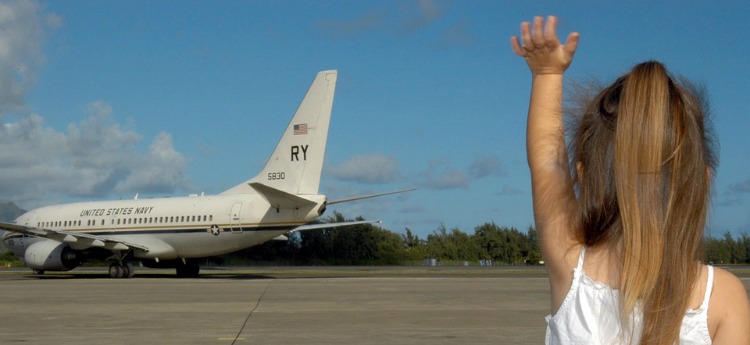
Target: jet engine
51,255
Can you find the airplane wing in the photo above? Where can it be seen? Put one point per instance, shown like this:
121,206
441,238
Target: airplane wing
74,239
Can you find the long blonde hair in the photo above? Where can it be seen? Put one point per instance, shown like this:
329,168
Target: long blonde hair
644,152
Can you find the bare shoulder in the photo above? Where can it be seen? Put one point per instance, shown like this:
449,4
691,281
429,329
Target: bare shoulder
729,310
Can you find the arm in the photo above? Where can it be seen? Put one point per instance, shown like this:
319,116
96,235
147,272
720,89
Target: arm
729,310
551,182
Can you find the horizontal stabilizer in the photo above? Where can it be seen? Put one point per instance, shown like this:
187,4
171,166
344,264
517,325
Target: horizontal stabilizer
338,201
333,225
279,198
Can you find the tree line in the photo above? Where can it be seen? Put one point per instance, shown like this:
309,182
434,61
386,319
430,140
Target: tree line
727,250
489,243
367,244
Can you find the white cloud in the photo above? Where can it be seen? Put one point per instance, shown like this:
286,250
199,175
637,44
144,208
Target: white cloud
440,175
740,187
22,32
161,171
419,14
509,191
374,168
371,20
448,179
405,19
486,166
456,36
40,165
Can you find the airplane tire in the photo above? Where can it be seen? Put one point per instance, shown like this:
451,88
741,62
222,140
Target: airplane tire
130,270
116,271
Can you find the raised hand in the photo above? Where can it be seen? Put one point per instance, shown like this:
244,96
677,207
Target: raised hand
542,49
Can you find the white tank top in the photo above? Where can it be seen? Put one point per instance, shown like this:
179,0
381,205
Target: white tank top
590,314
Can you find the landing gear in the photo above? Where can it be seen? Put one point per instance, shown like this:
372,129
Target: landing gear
38,272
118,270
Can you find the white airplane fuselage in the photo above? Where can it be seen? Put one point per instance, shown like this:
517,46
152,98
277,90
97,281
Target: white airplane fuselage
172,228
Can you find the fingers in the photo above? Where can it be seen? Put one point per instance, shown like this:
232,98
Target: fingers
540,34
537,35
515,44
550,32
517,47
526,36
571,44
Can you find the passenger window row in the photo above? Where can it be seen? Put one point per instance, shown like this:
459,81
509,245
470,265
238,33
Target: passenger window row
128,221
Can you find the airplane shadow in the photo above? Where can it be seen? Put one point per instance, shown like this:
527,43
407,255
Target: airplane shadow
104,275
208,275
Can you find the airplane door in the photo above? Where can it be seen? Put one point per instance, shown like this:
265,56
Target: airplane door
235,221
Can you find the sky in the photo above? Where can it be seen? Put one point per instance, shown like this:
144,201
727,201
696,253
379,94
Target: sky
101,100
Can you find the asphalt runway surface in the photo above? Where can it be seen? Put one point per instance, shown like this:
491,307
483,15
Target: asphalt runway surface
278,306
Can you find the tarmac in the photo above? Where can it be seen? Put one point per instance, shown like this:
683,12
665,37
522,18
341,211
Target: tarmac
278,306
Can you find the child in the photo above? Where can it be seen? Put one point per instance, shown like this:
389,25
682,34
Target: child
621,232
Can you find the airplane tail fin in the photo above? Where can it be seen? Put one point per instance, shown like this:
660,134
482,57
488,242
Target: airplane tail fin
297,162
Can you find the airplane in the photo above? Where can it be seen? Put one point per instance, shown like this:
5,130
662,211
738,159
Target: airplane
174,232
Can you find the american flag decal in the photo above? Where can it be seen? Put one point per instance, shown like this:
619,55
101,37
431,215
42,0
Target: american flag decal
300,129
